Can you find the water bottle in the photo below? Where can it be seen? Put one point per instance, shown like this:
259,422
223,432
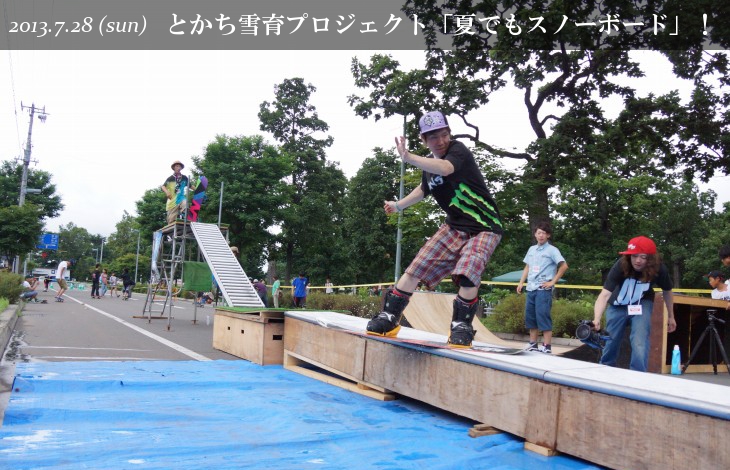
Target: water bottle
676,361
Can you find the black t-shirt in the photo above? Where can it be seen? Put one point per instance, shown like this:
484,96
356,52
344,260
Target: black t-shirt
463,194
629,290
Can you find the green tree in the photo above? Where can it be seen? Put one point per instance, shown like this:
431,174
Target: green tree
295,124
78,245
367,227
703,257
321,248
20,227
151,212
254,192
564,81
47,200
129,261
124,238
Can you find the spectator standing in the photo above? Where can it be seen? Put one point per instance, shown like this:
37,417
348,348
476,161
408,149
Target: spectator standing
95,280
544,266
261,291
127,283
276,291
113,285
300,290
104,282
720,290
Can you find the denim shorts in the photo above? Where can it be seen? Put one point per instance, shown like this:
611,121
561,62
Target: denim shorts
537,309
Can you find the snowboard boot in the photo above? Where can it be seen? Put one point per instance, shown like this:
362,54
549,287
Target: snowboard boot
387,322
462,332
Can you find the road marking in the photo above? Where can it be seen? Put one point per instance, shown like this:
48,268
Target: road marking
160,339
84,349
97,358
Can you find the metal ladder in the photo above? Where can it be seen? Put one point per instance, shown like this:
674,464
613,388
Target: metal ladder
168,272
232,281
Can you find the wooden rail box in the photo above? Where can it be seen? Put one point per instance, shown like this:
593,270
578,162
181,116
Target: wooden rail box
256,338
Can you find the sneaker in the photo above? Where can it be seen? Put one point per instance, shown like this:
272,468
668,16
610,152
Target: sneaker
461,335
533,346
546,349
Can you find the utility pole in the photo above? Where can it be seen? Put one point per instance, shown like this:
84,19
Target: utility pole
42,115
28,147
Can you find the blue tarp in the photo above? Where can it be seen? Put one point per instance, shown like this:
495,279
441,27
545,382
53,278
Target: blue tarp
232,414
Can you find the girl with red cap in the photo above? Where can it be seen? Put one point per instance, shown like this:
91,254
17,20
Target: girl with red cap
628,299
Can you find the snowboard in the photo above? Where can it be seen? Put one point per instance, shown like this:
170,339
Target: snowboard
475,347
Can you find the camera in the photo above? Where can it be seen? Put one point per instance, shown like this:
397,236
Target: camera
588,336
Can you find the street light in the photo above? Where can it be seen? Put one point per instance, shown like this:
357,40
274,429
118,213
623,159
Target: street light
399,235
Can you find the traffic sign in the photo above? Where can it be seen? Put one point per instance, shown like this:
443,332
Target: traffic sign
48,241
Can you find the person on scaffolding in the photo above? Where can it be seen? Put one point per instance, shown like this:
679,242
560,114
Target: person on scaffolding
463,244
175,188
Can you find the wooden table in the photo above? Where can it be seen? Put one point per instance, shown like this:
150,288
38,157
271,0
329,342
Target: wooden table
691,316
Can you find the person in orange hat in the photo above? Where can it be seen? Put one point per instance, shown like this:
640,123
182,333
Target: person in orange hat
176,190
628,299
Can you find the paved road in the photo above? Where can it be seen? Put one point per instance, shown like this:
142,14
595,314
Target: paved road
105,329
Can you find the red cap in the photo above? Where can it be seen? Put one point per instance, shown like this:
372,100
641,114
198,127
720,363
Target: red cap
640,245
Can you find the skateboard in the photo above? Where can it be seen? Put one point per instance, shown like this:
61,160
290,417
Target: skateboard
475,347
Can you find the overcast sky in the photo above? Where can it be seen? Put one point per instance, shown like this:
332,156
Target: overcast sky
117,120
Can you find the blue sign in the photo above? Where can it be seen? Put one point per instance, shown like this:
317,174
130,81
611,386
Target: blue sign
48,241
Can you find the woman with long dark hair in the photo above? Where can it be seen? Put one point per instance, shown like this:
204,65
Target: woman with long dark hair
628,299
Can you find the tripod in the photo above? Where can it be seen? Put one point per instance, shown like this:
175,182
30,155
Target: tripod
717,342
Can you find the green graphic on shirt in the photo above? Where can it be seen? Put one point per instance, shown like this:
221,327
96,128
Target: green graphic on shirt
474,205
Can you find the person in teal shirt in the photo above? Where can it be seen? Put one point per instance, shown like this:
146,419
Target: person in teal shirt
276,291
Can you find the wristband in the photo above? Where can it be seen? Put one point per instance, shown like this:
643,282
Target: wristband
397,208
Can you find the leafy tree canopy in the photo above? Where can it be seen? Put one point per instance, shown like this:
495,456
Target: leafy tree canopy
47,200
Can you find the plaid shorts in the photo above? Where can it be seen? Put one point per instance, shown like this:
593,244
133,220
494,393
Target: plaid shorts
453,252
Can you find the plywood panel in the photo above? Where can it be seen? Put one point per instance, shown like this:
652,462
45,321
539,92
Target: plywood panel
485,395
430,311
542,414
256,339
334,349
627,434
614,431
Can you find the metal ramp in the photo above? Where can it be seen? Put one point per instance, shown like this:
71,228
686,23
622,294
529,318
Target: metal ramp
228,273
